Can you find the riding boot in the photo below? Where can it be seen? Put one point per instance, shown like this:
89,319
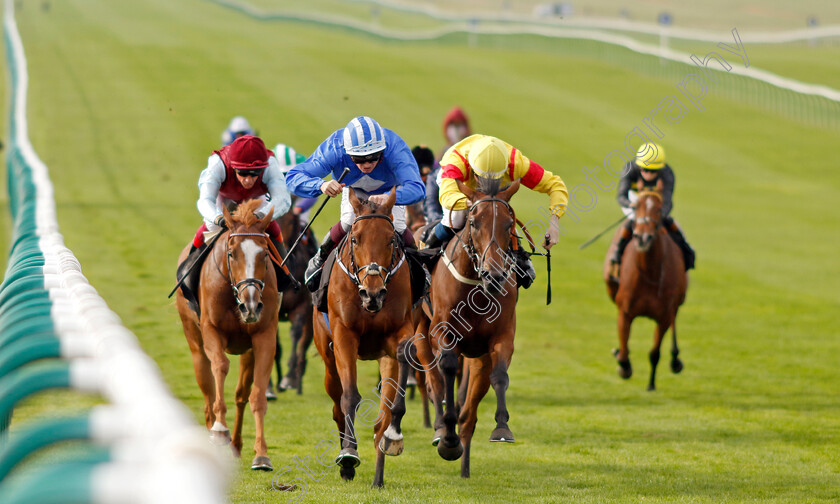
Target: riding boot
439,236
189,287
312,275
525,273
615,260
284,280
687,251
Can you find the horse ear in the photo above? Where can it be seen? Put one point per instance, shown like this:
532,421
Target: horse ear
640,185
265,221
660,186
228,217
389,203
508,193
469,193
355,202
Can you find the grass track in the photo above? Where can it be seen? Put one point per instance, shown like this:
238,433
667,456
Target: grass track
127,100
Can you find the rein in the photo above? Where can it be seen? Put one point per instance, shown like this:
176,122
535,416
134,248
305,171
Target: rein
372,268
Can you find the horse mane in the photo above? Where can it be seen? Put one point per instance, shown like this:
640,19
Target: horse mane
244,213
488,185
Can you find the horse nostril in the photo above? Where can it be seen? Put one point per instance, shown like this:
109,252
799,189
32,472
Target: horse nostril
242,308
259,307
363,293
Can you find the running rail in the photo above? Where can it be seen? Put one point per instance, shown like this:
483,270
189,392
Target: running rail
143,446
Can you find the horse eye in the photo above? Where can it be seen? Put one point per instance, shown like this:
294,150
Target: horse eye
353,240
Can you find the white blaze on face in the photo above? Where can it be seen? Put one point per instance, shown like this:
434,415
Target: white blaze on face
250,250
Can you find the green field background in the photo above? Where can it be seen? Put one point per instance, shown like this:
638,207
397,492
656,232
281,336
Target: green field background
127,100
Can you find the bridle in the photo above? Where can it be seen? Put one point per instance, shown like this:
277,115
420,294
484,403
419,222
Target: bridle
372,268
469,247
646,219
239,286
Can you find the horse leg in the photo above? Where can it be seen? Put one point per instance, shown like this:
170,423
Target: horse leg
449,447
203,373
501,352
302,347
332,384
676,363
661,329
387,439
290,380
278,362
622,353
463,383
243,391
427,362
420,376
345,349
478,385
263,346
219,365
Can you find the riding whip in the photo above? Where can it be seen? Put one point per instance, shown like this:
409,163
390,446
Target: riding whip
592,240
308,224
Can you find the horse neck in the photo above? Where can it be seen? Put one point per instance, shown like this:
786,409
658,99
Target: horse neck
459,257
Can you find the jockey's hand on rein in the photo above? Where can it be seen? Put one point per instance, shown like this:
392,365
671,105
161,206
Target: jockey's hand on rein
220,221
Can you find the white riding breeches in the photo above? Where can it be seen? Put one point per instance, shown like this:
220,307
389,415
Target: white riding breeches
348,215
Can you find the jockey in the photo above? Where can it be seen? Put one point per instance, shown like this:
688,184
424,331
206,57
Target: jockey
378,160
482,156
238,127
649,167
243,170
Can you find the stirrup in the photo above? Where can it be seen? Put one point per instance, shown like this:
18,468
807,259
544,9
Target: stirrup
615,271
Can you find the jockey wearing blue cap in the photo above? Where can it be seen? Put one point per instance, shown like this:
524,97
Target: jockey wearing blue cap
378,159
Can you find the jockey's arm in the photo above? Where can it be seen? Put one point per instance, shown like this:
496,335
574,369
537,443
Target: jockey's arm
279,197
410,187
209,182
668,182
624,185
536,178
305,179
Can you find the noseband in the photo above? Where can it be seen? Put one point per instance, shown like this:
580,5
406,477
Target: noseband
238,287
372,268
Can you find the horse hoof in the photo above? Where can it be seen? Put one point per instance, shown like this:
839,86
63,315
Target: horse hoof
625,370
502,435
614,352
651,388
286,384
452,452
676,365
270,395
220,437
438,435
261,464
347,473
348,458
391,442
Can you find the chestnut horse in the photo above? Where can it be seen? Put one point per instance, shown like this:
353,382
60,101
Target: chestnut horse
239,304
652,283
295,307
368,315
473,298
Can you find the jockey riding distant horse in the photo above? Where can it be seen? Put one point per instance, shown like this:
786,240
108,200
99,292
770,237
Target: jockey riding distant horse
652,284
239,303
368,315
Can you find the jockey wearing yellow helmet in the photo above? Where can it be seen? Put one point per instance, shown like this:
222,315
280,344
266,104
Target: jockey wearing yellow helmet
648,168
480,158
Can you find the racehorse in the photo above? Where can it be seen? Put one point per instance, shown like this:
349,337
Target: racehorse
368,315
473,301
652,283
295,307
239,305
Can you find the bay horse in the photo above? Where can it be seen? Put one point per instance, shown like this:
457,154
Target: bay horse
368,316
473,314
239,305
295,307
652,283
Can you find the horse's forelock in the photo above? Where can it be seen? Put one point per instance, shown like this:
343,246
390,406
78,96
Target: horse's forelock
488,185
244,213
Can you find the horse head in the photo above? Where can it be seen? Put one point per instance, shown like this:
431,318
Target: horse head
647,216
247,258
488,232
374,249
